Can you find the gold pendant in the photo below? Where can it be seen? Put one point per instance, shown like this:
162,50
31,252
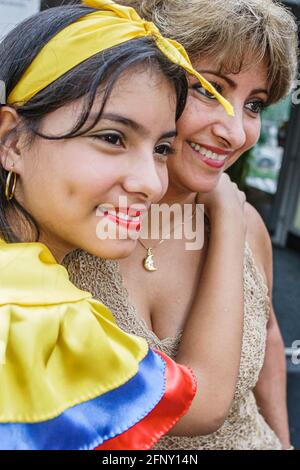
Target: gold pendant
149,261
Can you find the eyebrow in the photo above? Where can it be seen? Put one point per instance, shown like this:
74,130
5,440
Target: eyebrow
139,128
232,83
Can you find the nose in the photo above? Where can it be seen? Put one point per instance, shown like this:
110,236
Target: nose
143,177
230,129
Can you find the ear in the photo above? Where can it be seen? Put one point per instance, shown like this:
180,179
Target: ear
10,154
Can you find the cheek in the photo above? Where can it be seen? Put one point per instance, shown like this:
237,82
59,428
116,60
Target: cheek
69,175
42,173
175,163
91,182
163,174
86,172
194,119
252,133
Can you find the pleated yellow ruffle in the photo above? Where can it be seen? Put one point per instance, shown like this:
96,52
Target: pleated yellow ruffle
58,346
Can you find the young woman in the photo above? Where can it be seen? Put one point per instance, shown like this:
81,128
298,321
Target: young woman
75,77
191,303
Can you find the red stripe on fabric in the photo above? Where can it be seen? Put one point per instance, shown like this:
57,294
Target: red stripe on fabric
181,387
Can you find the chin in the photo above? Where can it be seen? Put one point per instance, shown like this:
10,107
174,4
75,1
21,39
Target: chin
201,185
112,249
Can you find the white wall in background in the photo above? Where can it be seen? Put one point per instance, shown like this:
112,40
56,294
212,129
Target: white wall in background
13,12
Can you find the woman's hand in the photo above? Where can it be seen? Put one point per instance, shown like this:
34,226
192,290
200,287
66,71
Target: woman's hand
225,199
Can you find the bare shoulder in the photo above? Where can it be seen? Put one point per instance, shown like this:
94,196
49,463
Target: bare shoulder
259,240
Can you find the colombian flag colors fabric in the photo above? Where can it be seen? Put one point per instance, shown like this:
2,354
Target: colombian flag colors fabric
70,378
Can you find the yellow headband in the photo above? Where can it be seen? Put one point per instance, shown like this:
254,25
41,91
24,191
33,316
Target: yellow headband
112,25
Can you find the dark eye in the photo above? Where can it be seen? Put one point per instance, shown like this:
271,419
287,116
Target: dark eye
202,91
256,106
164,149
110,138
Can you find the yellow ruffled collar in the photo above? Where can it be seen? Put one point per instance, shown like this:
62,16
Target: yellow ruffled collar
58,346
30,275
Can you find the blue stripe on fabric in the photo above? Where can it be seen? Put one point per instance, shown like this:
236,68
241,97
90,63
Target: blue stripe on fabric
89,424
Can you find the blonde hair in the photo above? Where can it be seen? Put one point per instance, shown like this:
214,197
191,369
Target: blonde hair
236,33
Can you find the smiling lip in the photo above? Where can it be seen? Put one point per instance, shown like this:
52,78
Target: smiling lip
217,150
129,225
209,161
122,218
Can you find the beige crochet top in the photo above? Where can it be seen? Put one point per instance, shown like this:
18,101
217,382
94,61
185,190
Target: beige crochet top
244,428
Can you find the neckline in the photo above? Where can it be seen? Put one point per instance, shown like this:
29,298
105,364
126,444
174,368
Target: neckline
134,314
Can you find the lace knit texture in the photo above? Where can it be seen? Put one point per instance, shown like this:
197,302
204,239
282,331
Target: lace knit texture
244,428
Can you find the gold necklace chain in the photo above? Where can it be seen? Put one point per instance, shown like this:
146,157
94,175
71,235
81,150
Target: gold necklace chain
148,262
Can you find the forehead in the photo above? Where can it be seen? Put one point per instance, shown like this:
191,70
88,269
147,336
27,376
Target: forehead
251,71
143,93
141,79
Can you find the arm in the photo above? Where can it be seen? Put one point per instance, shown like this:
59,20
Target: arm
212,338
270,391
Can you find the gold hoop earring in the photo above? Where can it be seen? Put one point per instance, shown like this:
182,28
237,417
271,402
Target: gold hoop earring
9,194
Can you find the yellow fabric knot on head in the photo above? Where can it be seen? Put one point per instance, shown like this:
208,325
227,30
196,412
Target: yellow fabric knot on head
109,26
151,29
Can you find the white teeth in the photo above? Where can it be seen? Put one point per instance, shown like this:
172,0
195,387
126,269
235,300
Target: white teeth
126,217
208,153
120,215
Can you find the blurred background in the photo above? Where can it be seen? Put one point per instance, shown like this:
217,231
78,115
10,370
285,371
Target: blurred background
270,176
